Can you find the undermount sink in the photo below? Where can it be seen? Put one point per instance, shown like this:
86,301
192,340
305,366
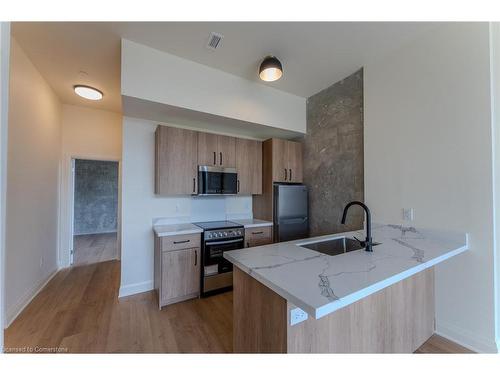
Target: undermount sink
335,246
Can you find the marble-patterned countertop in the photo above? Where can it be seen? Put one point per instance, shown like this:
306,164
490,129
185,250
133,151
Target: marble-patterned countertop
176,229
320,284
253,223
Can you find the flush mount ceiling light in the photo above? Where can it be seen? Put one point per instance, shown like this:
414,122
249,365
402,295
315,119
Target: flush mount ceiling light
270,69
88,92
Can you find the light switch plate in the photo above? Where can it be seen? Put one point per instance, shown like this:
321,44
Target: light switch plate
297,315
408,214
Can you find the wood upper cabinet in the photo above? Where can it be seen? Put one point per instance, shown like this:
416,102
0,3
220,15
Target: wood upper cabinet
279,160
249,166
294,155
286,160
176,154
227,151
207,149
216,150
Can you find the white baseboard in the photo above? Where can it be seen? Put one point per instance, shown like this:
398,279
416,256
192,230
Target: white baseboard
466,338
129,289
13,312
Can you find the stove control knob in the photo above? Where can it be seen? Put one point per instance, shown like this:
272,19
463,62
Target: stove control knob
209,235
224,234
215,235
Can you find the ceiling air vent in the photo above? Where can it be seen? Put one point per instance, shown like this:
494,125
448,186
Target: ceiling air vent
214,41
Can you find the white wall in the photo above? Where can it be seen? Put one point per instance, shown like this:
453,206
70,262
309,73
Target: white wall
140,206
495,103
164,78
428,145
87,133
4,104
32,183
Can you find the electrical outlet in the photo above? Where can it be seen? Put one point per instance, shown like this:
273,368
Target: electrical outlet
297,315
408,214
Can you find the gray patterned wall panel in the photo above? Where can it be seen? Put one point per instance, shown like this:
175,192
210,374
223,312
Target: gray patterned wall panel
96,196
333,155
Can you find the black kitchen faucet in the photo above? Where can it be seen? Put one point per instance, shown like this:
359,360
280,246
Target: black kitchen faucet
367,243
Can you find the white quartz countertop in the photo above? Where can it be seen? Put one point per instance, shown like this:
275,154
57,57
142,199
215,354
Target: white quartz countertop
176,229
253,223
320,284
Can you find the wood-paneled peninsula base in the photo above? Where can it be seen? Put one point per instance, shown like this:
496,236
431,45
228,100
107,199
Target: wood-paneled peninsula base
396,319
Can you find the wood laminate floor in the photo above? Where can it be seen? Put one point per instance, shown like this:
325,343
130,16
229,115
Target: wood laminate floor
94,248
79,312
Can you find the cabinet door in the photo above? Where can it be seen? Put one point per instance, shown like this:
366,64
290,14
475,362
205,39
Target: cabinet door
249,166
258,236
176,161
180,275
226,147
280,160
294,161
207,149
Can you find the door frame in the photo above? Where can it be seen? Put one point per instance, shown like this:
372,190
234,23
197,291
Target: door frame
67,202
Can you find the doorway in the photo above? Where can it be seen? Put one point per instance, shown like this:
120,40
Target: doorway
95,211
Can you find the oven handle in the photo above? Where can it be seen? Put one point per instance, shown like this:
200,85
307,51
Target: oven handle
224,242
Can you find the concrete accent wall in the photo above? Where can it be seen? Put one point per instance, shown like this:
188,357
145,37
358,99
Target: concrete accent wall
96,196
333,155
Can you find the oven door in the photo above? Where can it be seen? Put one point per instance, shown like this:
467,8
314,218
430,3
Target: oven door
217,180
213,254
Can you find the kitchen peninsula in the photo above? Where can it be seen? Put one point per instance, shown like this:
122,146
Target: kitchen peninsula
288,298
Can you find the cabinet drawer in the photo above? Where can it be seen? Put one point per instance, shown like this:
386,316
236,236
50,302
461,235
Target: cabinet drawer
186,241
258,236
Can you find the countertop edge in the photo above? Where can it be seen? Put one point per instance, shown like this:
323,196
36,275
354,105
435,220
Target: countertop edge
177,232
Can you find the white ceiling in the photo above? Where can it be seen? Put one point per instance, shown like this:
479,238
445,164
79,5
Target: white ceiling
314,55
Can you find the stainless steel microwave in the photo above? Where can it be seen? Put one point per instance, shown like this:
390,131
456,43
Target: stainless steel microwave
217,180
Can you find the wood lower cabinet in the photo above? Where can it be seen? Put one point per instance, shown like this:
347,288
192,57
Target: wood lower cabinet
249,166
177,268
176,154
258,236
216,150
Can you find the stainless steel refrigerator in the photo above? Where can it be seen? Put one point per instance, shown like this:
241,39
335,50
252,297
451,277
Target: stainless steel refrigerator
290,212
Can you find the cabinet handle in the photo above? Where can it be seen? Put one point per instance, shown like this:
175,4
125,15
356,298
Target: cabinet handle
290,175
238,189
258,232
215,158
285,174
195,257
220,153
194,185
178,242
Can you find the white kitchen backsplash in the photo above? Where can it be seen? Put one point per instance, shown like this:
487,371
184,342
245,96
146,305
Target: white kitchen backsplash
194,209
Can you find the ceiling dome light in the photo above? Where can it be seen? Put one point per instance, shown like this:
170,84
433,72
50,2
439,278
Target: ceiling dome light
88,92
270,69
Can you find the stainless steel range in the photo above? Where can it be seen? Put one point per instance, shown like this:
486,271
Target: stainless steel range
217,272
